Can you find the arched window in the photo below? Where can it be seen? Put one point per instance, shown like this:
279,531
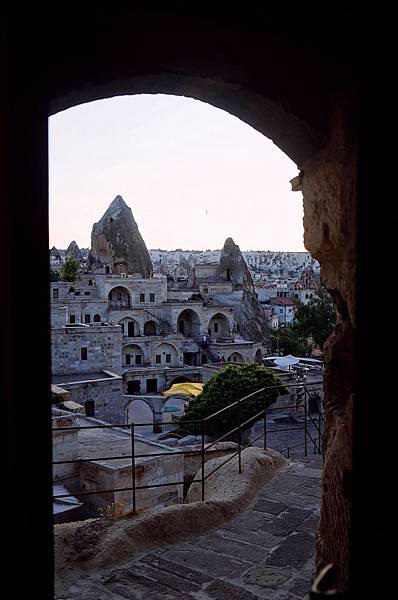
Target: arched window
97,319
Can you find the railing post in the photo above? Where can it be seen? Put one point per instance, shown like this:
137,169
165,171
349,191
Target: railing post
203,460
319,430
239,438
133,464
265,419
305,422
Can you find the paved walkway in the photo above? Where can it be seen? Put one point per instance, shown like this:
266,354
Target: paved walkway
267,552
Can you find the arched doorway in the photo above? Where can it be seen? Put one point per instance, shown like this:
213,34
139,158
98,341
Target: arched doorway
119,298
188,323
219,326
139,411
130,327
236,357
133,356
166,355
150,328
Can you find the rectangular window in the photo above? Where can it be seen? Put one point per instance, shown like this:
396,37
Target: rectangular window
142,297
86,293
83,353
168,358
128,359
55,293
122,326
138,359
215,327
158,359
72,319
87,318
77,293
151,297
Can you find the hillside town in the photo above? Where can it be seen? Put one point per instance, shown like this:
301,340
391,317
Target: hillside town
125,331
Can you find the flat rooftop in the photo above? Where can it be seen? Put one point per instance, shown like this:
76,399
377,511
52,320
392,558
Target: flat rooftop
110,442
78,377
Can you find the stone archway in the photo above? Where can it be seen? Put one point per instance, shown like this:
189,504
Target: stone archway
314,125
236,357
219,326
188,323
166,355
119,298
130,327
150,328
133,355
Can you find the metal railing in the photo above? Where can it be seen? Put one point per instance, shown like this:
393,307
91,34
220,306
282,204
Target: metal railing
202,425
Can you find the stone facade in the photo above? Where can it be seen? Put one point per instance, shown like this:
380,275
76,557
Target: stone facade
85,349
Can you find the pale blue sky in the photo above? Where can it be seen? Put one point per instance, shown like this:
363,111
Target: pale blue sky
192,174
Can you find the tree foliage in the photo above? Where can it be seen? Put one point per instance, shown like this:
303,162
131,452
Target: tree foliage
231,384
69,270
312,325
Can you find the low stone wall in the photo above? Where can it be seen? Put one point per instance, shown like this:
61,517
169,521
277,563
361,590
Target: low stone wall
102,543
65,444
94,476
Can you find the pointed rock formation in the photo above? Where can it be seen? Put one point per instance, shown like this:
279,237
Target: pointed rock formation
73,251
55,253
117,245
248,313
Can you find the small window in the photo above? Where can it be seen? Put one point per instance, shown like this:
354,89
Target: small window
215,327
168,358
72,319
158,359
128,359
119,295
87,318
142,297
97,318
122,326
77,293
110,296
86,293
138,359
151,297
55,293
83,353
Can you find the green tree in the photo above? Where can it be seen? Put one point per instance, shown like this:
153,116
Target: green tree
317,319
286,340
69,270
312,325
231,384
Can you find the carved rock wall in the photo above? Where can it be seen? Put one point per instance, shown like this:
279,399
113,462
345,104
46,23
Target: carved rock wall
329,189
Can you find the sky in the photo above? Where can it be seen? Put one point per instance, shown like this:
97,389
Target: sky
192,174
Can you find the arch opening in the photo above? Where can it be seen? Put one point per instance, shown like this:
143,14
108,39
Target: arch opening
188,323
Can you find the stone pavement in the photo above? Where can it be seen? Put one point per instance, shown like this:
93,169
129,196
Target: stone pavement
266,552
